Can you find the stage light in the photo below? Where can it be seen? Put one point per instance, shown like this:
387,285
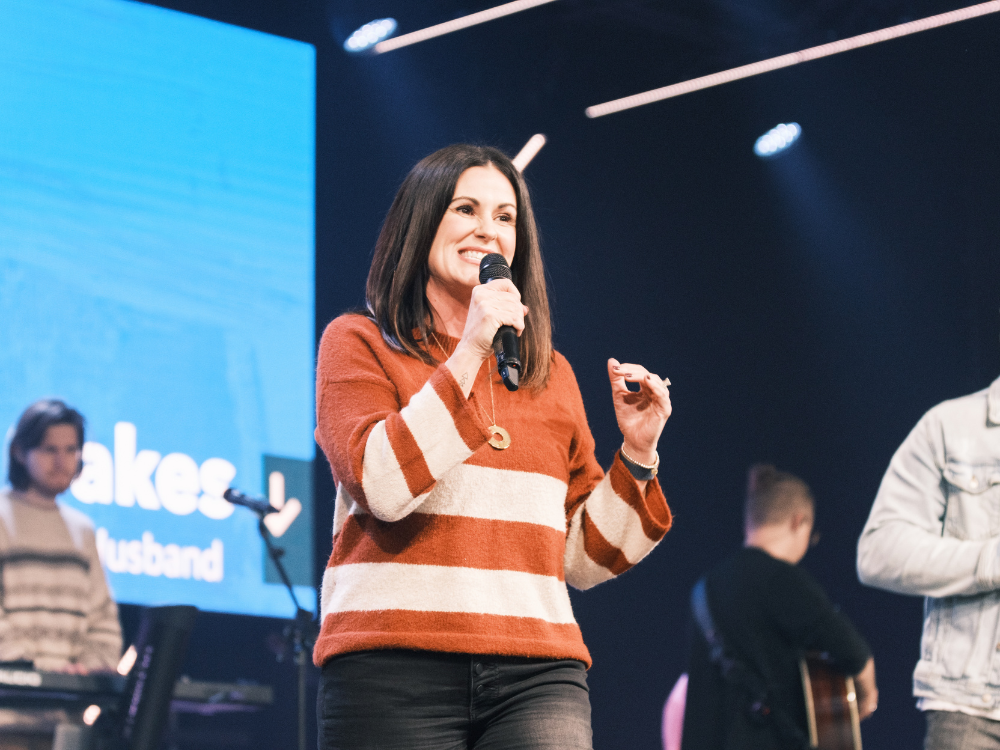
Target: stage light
528,151
777,140
459,23
370,34
793,58
91,714
127,661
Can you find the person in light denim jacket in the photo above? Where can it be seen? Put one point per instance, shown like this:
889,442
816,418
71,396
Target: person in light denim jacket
934,531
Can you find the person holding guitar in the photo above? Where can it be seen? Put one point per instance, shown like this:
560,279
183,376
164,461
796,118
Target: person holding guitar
756,614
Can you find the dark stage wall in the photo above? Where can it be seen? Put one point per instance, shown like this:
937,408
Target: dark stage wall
808,310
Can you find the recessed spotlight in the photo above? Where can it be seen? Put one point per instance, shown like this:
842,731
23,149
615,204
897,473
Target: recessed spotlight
777,139
370,34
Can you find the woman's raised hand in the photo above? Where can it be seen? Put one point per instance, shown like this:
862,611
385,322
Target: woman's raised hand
641,414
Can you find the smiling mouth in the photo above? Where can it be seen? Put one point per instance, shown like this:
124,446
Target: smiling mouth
475,255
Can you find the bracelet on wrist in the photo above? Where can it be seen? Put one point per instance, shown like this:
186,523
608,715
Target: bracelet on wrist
640,471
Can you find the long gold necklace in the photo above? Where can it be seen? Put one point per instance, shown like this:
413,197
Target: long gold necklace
499,437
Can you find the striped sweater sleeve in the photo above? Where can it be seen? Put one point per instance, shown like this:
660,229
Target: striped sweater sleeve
388,455
610,524
102,638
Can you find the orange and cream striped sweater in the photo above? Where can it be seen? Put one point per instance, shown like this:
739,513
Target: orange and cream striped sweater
441,542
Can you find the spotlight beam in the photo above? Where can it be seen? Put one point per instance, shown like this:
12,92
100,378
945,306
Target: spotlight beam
793,58
456,25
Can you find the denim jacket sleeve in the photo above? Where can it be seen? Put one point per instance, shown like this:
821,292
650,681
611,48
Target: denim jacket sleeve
913,542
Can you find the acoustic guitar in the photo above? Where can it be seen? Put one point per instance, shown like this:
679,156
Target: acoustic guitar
831,705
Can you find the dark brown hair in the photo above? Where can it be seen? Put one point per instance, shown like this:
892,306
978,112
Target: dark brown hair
30,432
396,293
773,495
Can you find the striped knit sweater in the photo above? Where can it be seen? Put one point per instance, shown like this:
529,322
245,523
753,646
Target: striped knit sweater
55,607
441,542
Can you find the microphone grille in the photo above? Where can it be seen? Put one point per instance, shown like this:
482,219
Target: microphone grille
493,266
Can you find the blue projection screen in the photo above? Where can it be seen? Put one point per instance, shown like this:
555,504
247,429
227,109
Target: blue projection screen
156,272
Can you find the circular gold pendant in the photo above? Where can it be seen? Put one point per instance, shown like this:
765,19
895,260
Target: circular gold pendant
500,438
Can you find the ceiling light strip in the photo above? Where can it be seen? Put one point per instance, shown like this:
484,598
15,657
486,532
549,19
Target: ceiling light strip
459,23
793,58
528,152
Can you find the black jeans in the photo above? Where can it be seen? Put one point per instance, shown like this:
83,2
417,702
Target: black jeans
422,700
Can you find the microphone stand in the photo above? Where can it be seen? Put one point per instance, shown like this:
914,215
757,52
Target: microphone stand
302,629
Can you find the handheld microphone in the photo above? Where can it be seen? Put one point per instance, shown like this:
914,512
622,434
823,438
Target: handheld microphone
506,346
258,506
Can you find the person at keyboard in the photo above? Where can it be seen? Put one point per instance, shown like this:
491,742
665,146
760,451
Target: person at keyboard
55,607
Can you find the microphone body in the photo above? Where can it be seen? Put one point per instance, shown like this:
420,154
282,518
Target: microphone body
258,506
506,347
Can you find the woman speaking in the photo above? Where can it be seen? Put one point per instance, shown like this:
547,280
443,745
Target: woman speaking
463,509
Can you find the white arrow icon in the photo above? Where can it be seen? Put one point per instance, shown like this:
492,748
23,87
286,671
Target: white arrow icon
288,511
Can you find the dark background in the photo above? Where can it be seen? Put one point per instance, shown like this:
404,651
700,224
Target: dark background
808,309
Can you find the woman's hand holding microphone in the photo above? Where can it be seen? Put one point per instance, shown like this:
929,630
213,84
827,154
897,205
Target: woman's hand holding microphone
495,304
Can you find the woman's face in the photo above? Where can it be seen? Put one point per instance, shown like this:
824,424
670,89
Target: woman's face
480,219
